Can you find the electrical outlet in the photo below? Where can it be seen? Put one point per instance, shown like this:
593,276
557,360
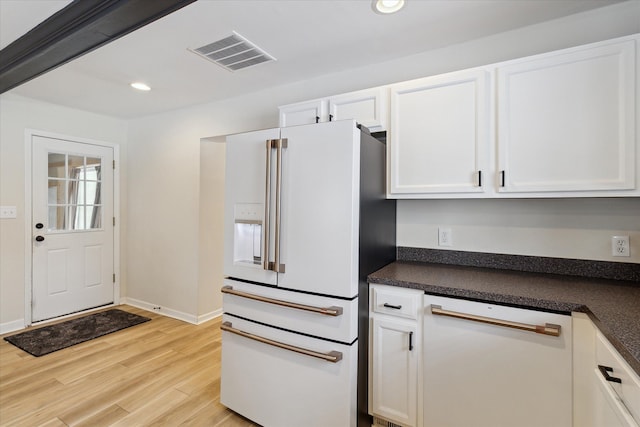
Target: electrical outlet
445,237
8,212
620,245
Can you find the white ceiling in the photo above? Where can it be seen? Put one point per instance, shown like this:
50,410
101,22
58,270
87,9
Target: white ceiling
308,38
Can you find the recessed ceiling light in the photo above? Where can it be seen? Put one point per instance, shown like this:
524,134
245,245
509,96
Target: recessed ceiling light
140,86
386,7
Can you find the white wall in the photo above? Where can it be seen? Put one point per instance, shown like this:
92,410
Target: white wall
17,114
166,240
561,228
211,248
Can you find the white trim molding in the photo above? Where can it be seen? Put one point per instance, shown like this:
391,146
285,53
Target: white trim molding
12,326
165,311
157,308
209,316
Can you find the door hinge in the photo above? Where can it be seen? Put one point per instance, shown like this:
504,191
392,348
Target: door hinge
114,164
114,277
114,221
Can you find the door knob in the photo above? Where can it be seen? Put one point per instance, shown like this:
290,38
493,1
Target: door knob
39,225
39,238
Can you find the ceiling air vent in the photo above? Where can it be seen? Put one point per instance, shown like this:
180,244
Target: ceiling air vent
233,53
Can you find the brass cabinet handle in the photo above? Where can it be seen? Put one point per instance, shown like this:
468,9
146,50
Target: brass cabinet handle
546,329
328,311
332,356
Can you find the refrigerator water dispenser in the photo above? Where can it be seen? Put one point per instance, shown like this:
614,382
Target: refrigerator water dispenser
247,239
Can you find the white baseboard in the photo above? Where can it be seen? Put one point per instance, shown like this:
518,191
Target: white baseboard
212,315
15,325
156,308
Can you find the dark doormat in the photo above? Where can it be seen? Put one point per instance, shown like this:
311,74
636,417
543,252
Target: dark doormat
48,339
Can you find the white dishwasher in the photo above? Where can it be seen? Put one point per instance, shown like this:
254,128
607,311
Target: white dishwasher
487,365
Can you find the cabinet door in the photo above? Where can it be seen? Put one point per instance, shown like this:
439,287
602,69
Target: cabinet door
566,121
302,113
486,375
439,134
367,107
394,370
608,409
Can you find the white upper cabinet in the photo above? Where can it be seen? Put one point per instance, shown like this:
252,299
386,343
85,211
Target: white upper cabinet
439,134
559,124
566,121
368,107
303,113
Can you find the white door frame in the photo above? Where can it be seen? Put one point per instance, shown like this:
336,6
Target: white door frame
28,213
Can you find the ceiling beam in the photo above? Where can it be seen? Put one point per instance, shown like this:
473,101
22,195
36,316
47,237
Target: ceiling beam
79,28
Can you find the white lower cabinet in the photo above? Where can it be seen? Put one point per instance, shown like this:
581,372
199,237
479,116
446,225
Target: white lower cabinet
395,354
482,370
606,389
447,362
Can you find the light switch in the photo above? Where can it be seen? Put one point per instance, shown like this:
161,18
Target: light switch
8,212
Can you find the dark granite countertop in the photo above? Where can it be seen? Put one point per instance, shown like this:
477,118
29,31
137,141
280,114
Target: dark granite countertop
613,305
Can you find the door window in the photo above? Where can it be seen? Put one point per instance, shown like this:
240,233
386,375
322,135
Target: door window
74,200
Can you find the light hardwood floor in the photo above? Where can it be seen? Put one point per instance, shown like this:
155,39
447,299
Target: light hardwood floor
161,373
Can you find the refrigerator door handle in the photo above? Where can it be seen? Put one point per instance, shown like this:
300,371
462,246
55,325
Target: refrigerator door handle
332,356
328,311
280,145
267,209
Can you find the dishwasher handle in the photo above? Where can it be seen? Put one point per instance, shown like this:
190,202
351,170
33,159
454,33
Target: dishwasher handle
546,329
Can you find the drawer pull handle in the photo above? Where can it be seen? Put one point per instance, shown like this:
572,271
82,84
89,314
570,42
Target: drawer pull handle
604,370
395,307
546,329
328,311
332,356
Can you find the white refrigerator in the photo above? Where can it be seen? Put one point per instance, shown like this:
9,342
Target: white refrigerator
306,220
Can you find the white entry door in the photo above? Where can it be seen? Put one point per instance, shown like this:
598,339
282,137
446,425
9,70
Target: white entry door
72,227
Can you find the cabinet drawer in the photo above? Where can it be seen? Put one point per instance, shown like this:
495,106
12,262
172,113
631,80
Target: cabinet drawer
398,302
628,389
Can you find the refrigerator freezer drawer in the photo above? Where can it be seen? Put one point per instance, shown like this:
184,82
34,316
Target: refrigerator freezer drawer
326,317
280,387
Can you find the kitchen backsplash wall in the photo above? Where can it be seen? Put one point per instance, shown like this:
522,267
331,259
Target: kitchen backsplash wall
559,228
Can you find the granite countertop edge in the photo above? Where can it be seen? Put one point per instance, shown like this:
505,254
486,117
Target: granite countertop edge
418,276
